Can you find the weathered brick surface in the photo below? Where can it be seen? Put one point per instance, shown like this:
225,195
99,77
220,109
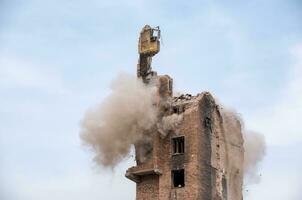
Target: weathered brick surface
213,157
147,188
206,160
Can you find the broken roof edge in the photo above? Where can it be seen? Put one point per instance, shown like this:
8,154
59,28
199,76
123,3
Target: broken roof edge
185,98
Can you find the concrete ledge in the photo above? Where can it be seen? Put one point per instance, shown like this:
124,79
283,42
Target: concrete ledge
135,175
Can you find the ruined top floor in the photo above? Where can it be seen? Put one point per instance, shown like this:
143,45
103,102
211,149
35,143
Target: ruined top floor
195,151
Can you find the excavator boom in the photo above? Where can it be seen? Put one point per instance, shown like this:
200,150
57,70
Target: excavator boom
148,46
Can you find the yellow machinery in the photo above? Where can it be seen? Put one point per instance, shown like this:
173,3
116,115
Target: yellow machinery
149,42
148,46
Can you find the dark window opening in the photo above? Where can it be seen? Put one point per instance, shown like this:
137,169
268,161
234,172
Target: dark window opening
178,177
178,109
175,110
178,145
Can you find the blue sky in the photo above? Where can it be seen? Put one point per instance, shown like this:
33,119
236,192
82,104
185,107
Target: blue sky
57,59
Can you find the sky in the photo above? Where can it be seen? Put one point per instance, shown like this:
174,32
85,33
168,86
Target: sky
57,60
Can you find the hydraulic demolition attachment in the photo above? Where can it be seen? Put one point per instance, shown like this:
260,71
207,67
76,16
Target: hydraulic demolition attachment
148,46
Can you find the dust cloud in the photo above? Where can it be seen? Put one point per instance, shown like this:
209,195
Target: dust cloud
120,121
126,117
253,143
169,123
130,115
255,148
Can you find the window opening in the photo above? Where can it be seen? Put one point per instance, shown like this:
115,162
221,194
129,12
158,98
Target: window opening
178,145
175,110
178,177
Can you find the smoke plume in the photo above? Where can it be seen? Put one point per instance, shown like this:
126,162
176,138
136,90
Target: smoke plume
253,143
127,116
120,121
169,123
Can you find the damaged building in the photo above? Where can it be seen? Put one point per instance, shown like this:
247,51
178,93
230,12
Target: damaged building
197,158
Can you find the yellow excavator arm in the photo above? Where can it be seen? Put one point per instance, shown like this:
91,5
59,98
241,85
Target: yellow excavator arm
148,46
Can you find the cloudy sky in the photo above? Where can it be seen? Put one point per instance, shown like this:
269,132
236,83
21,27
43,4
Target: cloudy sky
58,57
